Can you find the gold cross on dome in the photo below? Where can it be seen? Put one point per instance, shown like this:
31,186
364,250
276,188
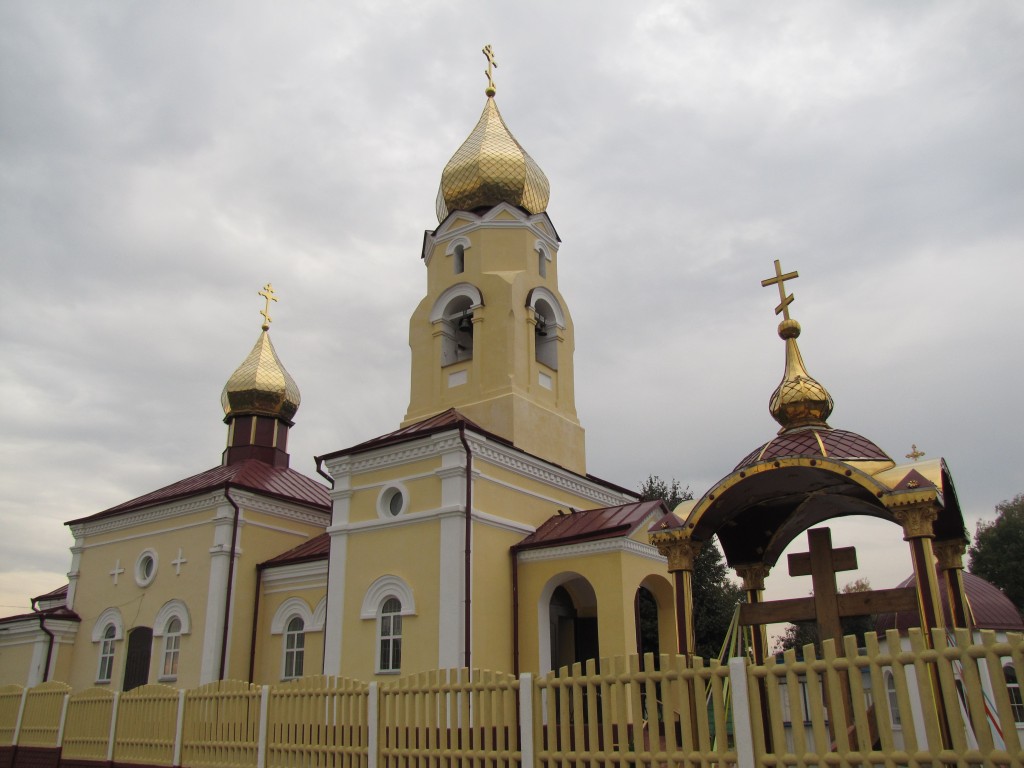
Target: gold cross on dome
268,294
914,453
781,279
491,64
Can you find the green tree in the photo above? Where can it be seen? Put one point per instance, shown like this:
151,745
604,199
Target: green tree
804,632
715,595
998,548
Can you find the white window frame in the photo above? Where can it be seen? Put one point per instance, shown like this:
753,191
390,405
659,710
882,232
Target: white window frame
142,578
293,657
108,640
172,649
389,636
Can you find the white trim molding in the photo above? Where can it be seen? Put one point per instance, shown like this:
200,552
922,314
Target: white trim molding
169,610
468,290
109,616
289,609
383,588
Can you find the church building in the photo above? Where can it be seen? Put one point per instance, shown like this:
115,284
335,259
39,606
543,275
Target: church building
471,535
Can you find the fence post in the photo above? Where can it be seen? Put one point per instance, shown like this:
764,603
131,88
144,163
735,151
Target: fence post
63,720
261,748
179,728
372,720
526,719
741,727
21,714
113,726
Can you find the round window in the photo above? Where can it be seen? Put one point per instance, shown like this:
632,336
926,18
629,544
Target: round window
145,568
392,502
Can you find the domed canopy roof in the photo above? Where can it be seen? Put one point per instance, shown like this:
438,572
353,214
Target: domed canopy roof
818,442
491,167
261,385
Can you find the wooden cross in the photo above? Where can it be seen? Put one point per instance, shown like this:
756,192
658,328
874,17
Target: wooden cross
781,279
491,64
827,607
268,294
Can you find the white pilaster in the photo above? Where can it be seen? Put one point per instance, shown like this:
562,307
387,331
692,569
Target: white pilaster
220,563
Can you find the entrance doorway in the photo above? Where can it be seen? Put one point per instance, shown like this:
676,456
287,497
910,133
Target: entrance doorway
573,624
136,665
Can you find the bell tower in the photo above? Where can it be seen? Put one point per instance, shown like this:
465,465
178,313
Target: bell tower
493,337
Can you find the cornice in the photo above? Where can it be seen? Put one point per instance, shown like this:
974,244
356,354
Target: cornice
209,500
537,469
313,571
258,503
537,223
602,546
394,455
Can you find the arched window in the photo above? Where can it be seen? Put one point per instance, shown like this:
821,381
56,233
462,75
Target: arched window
106,667
459,259
894,703
458,331
1013,689
389,626
172,647
542,263
294,648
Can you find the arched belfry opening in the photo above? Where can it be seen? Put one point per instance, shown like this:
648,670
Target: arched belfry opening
457,331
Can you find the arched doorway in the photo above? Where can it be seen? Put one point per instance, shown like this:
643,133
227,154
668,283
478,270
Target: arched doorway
569,605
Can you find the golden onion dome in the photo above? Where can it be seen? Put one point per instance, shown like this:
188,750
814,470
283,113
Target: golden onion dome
491,168
799,400
261,385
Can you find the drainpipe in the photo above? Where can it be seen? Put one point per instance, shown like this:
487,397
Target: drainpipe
49,649
327,592
515,610
231,580
469,543
255,622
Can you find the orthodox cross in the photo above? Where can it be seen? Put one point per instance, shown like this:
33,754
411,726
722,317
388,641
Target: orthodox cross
781,279
914,453
491,64
118,570
268,294
827,607
178,562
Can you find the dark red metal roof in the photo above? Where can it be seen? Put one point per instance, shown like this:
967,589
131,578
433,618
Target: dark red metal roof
252,475
55,594
60,612
839,444
446,420
991,608
317,548
592,524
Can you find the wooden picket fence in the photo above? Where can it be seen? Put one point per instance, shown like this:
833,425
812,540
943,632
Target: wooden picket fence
947,705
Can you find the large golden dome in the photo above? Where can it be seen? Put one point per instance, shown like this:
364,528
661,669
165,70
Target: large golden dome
490,168
261,385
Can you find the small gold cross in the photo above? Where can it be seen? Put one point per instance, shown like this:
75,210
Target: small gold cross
491,64
914,453
268,294
781,279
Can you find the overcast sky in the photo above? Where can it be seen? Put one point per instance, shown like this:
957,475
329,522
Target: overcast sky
160,162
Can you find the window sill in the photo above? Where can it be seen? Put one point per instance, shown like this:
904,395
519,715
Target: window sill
389,671
167,679
102,682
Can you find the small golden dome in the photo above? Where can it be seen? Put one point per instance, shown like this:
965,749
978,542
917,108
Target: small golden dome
491,168
261,385
799,400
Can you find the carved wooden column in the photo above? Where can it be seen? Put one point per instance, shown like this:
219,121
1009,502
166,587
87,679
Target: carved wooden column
681,552
753,575
917,520
950,554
